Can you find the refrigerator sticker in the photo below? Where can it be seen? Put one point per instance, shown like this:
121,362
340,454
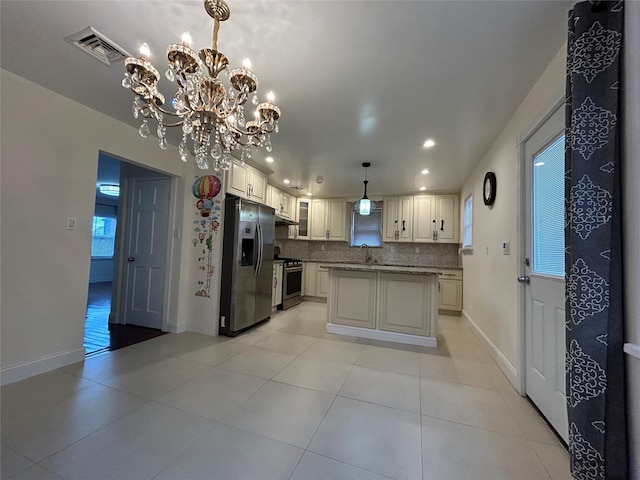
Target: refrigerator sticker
205,229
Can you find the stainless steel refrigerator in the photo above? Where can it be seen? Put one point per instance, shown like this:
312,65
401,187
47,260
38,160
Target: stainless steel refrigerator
247,265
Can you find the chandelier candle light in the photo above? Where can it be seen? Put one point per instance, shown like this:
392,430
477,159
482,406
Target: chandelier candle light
210,114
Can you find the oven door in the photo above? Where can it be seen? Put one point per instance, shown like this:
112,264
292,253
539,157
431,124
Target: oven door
292,282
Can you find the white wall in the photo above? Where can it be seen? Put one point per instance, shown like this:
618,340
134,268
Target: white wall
490,296
631,223
49,165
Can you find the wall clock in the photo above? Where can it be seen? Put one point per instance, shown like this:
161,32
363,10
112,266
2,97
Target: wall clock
489,188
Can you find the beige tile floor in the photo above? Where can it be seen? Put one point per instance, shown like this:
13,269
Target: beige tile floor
283,401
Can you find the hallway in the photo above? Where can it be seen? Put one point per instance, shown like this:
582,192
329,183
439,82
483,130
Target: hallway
283,401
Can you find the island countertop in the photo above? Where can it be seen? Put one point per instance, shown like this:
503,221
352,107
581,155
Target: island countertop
356,267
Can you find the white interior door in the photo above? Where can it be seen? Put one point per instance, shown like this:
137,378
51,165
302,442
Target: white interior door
544,272
146,252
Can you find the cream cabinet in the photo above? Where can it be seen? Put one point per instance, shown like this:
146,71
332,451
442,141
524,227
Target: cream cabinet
383,304
435,218
406,304
322,281
316,280
276,297
302,215
423,218
310,274
280,202
397,219
328,219
450,291
247,182
353,299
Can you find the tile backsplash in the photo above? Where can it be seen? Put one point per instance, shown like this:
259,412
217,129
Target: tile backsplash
428,255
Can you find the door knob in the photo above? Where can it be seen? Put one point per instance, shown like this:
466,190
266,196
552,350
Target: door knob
131,259
524,279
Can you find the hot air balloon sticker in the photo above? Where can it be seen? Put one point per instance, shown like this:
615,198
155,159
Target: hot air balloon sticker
205,188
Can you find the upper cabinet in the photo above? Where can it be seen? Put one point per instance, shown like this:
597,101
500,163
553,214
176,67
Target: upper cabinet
280,202
247,182
328,219
302,231
397,219
435,218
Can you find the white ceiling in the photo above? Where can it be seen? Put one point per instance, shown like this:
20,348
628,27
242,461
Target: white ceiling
356,80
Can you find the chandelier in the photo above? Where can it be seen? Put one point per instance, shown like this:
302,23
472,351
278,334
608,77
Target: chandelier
210,114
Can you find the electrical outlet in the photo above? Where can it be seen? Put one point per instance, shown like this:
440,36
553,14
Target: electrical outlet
322,247
417,249
71,223
393,249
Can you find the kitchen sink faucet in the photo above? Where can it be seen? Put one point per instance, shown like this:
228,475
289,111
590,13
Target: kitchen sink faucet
367,257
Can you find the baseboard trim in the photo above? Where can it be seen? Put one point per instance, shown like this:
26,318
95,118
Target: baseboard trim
381,335
503,363
20,371
176,327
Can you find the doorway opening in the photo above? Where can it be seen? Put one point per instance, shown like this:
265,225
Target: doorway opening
109,229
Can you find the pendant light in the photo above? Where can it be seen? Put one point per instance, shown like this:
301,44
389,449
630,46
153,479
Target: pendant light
364,206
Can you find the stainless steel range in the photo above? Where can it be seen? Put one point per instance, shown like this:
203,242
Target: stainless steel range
291,283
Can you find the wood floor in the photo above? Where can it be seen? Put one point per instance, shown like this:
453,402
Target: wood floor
99,336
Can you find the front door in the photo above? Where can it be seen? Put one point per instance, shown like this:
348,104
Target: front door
146,252
544,272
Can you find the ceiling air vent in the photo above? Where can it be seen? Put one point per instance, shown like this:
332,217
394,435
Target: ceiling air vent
98,46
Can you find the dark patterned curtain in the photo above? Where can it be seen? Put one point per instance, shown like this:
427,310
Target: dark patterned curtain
593,236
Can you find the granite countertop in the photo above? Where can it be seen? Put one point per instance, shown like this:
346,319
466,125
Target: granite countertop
347,265
361,267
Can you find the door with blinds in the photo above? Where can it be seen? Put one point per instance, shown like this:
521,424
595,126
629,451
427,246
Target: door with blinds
544,278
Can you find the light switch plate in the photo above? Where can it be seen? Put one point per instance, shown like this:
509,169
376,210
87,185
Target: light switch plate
71,223
506,248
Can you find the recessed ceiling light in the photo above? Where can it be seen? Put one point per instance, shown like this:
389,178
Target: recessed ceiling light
309,194
429,143
422,189
286,181
424,172
269,159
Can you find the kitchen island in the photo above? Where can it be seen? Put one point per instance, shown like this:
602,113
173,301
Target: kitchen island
384,302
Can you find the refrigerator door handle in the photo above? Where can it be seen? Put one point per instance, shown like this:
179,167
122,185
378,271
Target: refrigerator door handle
260,249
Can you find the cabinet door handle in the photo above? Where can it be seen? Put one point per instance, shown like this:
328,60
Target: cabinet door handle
403,226
442,225
326,234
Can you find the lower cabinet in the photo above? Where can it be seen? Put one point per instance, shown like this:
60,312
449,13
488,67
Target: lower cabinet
396,305
355,299
310,273
316,280
405,302
450,291
276,295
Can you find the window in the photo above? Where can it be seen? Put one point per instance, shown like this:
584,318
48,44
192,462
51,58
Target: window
366,229
548,210
104,235
467,222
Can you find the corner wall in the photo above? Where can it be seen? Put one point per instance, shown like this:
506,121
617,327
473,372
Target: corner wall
48,173
490,297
